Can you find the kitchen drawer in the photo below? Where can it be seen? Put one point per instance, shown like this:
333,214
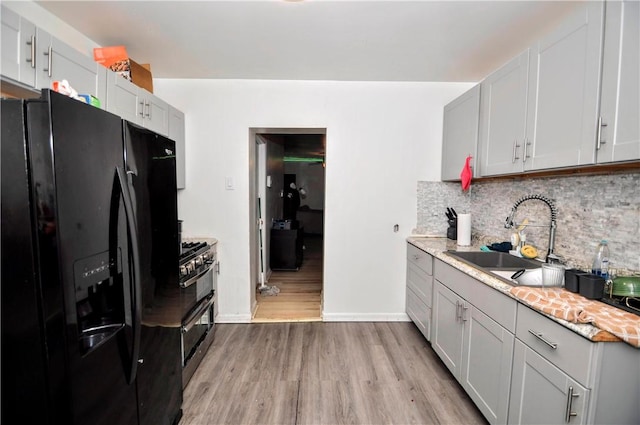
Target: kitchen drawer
567,350
491,302
420,258
420,283
419,313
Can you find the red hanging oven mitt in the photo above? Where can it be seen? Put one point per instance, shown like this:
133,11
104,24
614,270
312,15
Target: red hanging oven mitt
465,175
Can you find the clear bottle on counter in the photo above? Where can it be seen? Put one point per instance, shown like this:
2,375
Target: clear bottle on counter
600,265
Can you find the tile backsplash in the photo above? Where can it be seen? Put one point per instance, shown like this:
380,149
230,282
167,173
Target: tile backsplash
590,208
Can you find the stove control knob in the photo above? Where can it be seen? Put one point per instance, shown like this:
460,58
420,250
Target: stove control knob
190,267
198,261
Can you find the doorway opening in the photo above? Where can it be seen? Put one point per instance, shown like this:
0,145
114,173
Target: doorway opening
287,176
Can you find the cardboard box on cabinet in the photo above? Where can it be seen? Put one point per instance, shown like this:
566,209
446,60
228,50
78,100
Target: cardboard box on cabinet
116,59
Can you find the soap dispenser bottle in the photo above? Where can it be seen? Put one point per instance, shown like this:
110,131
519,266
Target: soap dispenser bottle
600,264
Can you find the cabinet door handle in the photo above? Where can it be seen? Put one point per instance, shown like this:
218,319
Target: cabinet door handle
525,155
457,311
141,109
599,141
463,312
570,396
49,60
148,114
32,43
515,156
543,339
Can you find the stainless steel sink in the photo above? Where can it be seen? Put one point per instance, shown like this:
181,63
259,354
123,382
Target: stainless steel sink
494,260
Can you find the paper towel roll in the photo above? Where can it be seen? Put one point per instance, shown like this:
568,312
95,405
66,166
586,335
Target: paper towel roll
464,229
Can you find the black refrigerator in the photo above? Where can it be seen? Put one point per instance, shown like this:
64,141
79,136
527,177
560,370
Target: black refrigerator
90,294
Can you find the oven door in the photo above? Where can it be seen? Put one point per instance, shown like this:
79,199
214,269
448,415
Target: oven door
195,290
197,336
195,328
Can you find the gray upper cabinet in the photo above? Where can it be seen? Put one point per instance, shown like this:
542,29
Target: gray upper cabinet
460,133
619,136
176,133
503,113
33,58
136,105
18,48
552,107
57,61
564,81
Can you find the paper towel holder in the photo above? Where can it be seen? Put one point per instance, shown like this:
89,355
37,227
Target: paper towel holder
464,229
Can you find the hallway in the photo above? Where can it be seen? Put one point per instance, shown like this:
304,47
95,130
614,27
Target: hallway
300,297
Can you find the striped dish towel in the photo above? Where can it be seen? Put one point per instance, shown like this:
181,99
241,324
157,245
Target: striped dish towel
578,309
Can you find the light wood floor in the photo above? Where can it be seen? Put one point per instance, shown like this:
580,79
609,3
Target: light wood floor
300,297
324,373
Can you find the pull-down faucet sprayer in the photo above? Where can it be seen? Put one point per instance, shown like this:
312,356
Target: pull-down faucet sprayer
552,226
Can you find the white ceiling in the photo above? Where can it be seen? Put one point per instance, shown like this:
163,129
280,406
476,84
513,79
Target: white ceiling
316,39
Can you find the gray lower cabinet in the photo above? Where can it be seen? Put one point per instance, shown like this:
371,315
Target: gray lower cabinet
419,289
448,327
473,335
561,377
521,367
619,129
543,394
460,133
486,365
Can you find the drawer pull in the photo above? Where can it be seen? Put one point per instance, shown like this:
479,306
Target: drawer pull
543,339
570,396
416,257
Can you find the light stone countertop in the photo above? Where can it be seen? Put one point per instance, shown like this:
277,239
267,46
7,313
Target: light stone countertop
210,241
437,247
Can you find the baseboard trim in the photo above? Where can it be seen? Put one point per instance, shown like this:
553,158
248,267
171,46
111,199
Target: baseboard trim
365,317
233,318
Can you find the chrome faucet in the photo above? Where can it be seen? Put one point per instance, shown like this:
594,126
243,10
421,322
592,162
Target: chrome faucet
551,257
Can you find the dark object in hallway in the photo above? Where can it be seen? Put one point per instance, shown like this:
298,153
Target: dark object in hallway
290,202
286,251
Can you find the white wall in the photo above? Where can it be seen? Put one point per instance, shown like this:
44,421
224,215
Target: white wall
381,139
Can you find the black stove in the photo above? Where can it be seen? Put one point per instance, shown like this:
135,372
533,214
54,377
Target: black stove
196,259
629,304
192,249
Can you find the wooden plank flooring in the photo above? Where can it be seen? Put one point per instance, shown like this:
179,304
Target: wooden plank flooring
300,297
324,373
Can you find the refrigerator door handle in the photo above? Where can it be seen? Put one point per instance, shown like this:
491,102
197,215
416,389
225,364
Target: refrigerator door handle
137,296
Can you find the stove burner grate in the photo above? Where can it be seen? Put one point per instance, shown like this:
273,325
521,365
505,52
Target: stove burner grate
629,304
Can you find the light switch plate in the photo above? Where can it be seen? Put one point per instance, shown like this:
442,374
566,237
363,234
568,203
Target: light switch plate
228,183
